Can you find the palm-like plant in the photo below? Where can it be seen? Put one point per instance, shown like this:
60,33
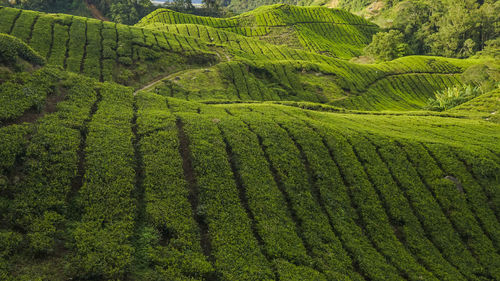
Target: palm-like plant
452,96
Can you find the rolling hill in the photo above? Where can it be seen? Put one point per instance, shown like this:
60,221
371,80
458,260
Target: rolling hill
328,31
244,5
195,148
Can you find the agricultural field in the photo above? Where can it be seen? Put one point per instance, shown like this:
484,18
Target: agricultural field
245,5
103,50
196,148
332,32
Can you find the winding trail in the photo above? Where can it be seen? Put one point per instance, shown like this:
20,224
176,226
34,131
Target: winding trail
161,78
158,80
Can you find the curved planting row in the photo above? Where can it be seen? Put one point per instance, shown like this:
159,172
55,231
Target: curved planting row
40,185
106,204
182,190
102,50
171,17
335,30
388,86
273,15
344,41
400,92
236,44
488,103
290,14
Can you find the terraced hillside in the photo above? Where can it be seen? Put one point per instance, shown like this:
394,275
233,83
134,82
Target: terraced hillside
328,31
487,105
245,5
181,189
232,158
388,86
103,50
138,55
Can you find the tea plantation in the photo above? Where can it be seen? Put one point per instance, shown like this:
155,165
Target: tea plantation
330,31
244,148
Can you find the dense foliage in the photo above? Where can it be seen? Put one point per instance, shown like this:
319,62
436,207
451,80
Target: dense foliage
245,5
452,97
330,32
76,7
242,148
454,29
11,48
387,46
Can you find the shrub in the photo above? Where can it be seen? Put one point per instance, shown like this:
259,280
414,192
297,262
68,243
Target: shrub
43,232
25,91
388,46
102,236
9,242
452,96
177,250
125,60
11,48
484,76
50,163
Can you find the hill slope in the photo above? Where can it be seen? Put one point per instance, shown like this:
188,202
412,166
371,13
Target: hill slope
244,5
103,50
232,158
134,55
328,31
191,190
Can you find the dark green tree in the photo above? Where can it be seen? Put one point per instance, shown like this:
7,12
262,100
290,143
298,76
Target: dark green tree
124,13
211,4
181,5
388,46
412,20
455,28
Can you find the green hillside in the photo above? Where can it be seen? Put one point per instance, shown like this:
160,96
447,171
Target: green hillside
328,31
486,105
244,148
102,50
244,5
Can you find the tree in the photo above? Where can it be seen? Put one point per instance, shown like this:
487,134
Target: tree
413,20
455,27
182,4
45,5
448,28
387,46
489,16
124,13
211,4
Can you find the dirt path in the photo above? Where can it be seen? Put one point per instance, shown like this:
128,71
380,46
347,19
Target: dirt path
151,84
32,115
228,58
95,12
333,4
160,79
